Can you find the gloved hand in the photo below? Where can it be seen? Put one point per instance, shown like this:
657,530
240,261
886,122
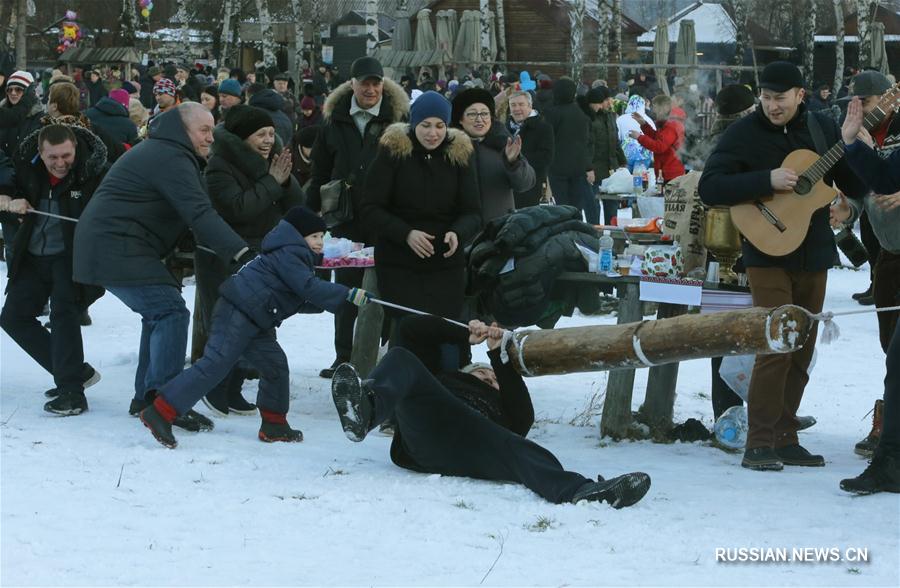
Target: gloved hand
358,296
242,260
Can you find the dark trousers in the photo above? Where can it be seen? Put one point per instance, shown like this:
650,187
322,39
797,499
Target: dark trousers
890,432
573,191
345,317
9,234
870,242
886,291
445,436
779,379
723,397
232,335
60,350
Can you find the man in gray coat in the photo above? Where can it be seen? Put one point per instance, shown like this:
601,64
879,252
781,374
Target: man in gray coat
151,197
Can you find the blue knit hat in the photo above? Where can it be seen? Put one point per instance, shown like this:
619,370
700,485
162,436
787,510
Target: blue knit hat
427,105
231,87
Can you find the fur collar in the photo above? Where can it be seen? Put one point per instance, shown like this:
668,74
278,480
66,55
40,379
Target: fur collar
457,149
393,94
90,154
237,153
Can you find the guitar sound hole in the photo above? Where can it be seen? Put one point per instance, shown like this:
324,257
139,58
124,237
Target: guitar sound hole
803,185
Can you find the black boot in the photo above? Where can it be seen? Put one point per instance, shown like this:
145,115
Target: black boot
273,432
328,372
217,401
882,475
354,402
762,459
159,426
619,492
864,294
797,455
67,404
89,377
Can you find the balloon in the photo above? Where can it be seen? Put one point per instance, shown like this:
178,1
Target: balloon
145,13
149,5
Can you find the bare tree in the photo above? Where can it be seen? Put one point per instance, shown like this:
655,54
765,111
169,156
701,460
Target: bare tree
371,26
604,16
838,46
128,23
299,41
576,23
809,46
616,48
181,16
21,39
865,16
266,32
485,7
739,7
501,31
316,22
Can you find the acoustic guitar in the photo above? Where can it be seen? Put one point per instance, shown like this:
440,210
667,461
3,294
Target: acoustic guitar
777,224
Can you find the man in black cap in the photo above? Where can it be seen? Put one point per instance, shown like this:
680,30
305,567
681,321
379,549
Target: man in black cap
291,104
745,166
356,114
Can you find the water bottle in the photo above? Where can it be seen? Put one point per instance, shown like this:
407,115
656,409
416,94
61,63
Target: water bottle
637,180
731,428
605,256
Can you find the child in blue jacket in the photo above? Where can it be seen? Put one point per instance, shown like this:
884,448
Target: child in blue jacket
280,282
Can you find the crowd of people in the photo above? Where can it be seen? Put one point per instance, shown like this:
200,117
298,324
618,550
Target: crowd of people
257,176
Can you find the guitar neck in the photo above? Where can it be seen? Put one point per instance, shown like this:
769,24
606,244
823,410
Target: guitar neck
822,165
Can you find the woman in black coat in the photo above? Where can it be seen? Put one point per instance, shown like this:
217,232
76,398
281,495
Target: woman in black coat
251,187
421,198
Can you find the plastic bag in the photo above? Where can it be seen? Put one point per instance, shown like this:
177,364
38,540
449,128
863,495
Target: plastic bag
737,369
618,183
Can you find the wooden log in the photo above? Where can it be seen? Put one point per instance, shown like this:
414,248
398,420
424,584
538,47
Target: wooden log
754,331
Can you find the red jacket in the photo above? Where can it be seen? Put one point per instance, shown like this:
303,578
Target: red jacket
661,143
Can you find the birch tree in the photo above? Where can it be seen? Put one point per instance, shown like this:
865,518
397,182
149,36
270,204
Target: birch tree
865,15
603,19
809,46
838,47
181,16
576,23
266,32
299,41
485,6
316,21
128,23
21,39
227,10
501,31
371,26
617,32
740,30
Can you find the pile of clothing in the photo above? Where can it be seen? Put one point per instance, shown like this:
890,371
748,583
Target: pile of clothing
514,263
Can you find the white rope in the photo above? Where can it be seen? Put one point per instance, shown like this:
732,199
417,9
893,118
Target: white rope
59,216
636,346
830,330
520,348
420,312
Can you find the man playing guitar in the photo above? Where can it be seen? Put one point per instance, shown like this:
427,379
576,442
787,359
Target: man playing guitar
746,166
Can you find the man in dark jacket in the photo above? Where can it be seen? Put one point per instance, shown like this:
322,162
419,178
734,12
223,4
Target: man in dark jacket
746,165
111,115
490,403
148,80
273,103
608,155
20,97
501,169
571,174
356,114
57,171
135,220
537,144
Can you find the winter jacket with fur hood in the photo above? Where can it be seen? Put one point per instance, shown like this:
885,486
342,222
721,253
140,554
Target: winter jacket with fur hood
341,150
148,200
243,191
408,188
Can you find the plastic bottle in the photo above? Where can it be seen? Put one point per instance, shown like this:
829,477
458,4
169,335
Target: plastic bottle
645,178
637,180
731,428
605,256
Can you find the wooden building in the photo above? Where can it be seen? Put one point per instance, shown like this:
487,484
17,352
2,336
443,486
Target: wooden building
540,31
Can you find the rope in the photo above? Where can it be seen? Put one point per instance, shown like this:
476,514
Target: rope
830,330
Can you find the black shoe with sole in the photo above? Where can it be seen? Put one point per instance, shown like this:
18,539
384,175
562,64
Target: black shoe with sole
797,455
328,372
805,422
867,300
84,319
89,377
273,432
353,401
762,459
619,492
217,402
159,426
237,404
67,404
863,294
136,406
193,421
881,475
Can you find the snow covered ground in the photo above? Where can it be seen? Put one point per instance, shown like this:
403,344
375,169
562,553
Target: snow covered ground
94,500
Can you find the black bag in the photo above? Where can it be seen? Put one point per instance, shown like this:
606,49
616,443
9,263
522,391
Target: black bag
337,203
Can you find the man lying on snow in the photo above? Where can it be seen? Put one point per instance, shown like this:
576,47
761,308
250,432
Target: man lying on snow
468,423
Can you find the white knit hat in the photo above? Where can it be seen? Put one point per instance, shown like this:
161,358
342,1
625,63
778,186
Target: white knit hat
475,365
20,78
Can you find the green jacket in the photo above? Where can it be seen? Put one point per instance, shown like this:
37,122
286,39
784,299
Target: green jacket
608,154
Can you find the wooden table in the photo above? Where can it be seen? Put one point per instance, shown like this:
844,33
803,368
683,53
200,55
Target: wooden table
659,400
